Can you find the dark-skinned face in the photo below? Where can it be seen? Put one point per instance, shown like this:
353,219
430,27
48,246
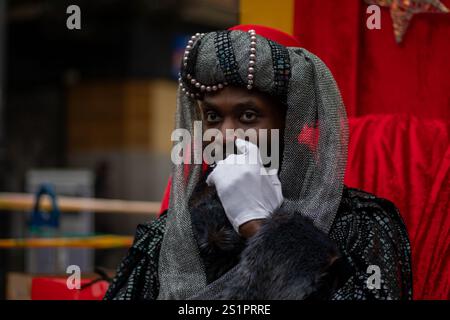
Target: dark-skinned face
240,108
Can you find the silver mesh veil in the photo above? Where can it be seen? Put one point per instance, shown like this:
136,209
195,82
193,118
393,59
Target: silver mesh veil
313,158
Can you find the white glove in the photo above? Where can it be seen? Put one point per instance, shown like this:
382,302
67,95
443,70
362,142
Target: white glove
247,191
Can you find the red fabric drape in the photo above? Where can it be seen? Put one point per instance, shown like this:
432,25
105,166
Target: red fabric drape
375,74
402,158
407,161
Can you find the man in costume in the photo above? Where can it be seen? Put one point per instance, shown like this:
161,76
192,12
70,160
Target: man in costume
231,232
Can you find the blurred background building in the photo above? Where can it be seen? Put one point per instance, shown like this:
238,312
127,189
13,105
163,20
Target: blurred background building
101,99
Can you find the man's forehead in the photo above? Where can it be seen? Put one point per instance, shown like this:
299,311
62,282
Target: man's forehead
236,96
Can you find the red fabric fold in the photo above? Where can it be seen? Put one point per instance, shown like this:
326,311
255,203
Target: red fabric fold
407,161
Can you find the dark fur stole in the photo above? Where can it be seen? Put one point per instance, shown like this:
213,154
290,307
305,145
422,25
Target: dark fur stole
288,258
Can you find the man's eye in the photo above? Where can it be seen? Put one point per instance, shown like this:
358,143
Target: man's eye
248,116
212,117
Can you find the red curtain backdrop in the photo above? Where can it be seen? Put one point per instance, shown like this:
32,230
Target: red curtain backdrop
398,157
375,74
398,101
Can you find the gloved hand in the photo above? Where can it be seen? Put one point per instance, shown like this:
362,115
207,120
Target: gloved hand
247,191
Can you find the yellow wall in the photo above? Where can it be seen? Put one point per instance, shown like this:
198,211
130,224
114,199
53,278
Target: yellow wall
277,14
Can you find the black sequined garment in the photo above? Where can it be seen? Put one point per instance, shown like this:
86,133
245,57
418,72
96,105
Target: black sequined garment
367,233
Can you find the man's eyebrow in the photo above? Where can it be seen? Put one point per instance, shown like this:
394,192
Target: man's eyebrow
240,106
247,104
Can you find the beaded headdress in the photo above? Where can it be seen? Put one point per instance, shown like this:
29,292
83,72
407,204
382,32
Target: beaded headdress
193,88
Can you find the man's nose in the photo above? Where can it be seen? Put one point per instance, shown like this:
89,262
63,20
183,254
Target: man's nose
230,126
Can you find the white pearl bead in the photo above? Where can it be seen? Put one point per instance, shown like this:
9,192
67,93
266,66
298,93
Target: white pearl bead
197,84
208,89
193,81
202,87
253,38
189,76
250,77
220,86
197,34
249,87
188,47
253,50
183,89
251,63
253,44
251,70
252,56
190,42
214,88
250,81
192,95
